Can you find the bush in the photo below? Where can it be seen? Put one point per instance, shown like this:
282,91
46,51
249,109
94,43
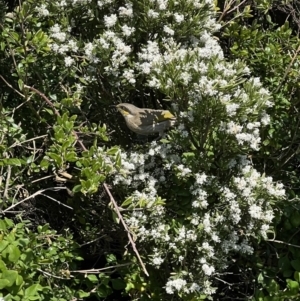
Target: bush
189,203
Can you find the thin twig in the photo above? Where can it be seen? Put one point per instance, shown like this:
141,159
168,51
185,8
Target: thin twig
223,281
5,193
282,242
226,8
125,227
236,7
51,275
37,180
17,143
44,97
32,196
10,86
58,202
287,71
23,103
91,241
92,271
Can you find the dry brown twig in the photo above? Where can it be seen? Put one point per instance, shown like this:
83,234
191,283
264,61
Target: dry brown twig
10,86
287,70
51,275
126,228
40,192
93,271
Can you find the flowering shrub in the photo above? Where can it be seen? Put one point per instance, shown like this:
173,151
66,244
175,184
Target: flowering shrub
193,199
194,238
272,54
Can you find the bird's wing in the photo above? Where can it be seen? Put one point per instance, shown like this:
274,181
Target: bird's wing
149,117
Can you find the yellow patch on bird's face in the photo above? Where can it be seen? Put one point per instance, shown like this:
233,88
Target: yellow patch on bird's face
123,112
165,115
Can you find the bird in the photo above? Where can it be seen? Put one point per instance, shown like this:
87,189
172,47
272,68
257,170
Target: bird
144,121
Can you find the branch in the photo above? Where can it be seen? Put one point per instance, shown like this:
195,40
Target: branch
50,104
282,242
49,197
92,271
126,228
10,86
51,275
32,196
287,70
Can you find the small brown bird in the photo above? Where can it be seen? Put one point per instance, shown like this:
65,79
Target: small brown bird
146,121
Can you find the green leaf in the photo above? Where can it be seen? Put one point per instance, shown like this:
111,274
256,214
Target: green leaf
2,266
112,151
77,188
2,225
272,287
19,280
13,253
3,245
260,278
93,278
115,217
10,276
111,258
83,294
32,290
118,160
57,158
127,202
44,163
13,162
103,291
4,283
118,284
284,263
293,286
188,155
20,84
297,276
71,157
296,264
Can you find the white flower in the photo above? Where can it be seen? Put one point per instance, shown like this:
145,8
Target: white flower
265,119
43,12
152,14
177,284
129,75
110,21
231,109
208,270
57,34
126,11
168,30
178,18
194,287
73,46
201,179
255,211
157,261
69,61
127,31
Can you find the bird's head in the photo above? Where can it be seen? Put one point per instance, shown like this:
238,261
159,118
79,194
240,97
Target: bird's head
127,109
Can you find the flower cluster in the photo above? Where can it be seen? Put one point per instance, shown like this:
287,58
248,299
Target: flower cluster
210,233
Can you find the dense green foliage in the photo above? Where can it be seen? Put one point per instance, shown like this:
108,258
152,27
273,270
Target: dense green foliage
272,53
89,211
